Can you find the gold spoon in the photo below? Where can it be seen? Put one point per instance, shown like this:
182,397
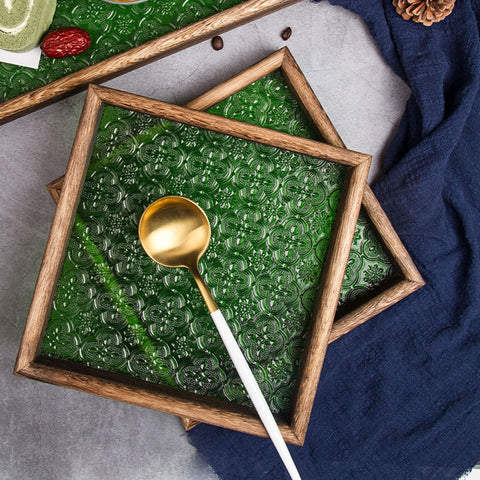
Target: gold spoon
175,232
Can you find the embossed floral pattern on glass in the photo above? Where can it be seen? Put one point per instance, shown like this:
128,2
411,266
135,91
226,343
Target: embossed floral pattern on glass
270,103
113,29
117,310
271,213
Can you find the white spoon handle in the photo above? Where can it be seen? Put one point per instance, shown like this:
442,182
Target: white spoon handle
255,393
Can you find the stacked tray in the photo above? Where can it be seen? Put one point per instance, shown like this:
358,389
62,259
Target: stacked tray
276,264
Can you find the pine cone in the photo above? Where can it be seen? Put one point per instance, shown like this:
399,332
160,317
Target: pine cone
424,11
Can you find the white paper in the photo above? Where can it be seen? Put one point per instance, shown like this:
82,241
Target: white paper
25,59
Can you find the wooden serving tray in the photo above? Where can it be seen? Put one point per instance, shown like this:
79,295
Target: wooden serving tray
35,362
124,37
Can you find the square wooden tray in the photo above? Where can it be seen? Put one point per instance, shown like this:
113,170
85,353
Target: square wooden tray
32,364
96,18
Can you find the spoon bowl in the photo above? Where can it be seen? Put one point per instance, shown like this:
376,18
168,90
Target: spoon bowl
174,231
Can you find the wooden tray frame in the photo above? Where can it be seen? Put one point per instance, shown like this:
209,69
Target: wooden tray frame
30,363
138,56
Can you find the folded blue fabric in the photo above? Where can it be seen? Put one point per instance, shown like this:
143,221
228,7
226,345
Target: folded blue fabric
399,397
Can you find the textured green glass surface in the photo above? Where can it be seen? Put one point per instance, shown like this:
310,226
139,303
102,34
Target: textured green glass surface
113,29
270,103
271,213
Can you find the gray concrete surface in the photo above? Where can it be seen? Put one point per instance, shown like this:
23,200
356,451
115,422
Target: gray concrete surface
51,433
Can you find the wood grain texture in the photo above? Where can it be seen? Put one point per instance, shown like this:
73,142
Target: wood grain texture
188,423
295,431
308,101
141,55
55,188
59,233
155,397
327,297
230,127
390,238
379,303
238,82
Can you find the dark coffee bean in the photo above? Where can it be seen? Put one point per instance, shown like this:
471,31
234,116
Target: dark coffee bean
217,43
287,33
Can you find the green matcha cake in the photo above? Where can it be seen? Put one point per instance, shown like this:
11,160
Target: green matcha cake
24,22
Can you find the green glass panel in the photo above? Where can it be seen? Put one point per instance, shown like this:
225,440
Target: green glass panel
117,310
270,103
113,29
271,213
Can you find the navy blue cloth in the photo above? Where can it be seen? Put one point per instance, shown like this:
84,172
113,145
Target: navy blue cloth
399,397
